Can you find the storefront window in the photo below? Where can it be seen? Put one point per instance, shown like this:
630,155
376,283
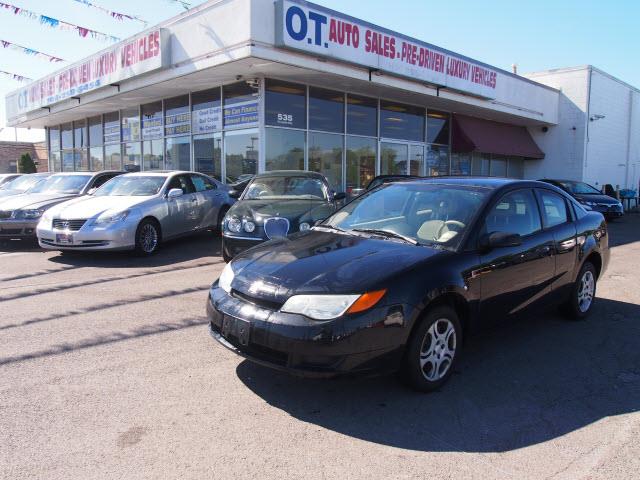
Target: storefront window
437,160
68,161
240,105
480,164
460,164
438,127
498,166
56,164
96,159
361,163
152,155
393,159
404,122
362,116
516,167
95,131
416,160
240,154
112,127
130,124
284,149
54,139
112,158
80,134
207,154
81,160
285,104
206,115
177,119
152,121
132,156
178,153
67,135
326,110
325,157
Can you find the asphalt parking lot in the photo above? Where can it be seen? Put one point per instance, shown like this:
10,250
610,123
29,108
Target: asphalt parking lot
107,370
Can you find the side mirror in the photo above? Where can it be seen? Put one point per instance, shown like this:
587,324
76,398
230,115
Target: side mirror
235,194
339,196
175,193
92,191
499,240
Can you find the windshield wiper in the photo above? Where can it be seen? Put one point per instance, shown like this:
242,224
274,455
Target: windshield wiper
331,227
387,233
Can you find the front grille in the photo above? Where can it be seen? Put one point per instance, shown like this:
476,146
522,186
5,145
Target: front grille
276,227
258,302
10,231
71,225
5,214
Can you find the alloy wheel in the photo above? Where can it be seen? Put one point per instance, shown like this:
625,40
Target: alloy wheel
586,291
438,349
148,238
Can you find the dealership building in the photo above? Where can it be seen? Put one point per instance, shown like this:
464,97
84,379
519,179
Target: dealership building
236,87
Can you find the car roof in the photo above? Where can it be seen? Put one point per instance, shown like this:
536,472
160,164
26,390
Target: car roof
291,173
159,173
486,182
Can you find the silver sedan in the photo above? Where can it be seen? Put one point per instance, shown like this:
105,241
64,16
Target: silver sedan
136,211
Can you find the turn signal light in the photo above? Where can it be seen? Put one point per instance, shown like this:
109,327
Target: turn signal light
366,301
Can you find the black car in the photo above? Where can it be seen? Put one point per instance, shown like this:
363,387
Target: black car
380,179
397,278
590,197
274,205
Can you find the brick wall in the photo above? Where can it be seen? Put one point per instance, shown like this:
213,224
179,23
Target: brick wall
10,153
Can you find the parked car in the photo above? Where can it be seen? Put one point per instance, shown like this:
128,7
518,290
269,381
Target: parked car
20,214
590,197
22,184
136,211
237,188
380,179
275,204
7,177
388,285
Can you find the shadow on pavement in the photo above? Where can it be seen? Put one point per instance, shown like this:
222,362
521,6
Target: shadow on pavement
624,230
517,385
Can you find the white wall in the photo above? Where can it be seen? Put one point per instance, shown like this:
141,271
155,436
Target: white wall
563,144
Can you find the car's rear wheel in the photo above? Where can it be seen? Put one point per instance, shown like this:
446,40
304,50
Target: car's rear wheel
583,293
433,349
147,237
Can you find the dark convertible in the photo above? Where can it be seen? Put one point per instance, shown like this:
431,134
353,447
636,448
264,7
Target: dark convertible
396,279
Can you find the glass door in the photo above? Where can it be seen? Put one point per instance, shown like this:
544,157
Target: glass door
394,158
416,160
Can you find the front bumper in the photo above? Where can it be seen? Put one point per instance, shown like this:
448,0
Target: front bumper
119,236
10,229
235,244
369,342
611,211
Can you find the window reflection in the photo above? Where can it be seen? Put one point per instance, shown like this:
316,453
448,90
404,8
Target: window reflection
285,104
325,157
96,159
362,116
438,127
284,149
152,121
178,153
130,125
177,119
240,105
361,163
241,154
95,131
152,155
326,110
132,156
404,122
393,159
207,154
437,160
112,127
112,158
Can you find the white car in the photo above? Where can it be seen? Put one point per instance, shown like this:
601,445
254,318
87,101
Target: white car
136,211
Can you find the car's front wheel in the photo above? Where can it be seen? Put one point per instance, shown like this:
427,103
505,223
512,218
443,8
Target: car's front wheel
147,237
433,349
583,293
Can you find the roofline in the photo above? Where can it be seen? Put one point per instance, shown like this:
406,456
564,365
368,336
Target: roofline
578,68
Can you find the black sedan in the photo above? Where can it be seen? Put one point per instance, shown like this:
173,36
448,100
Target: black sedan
590,197
274,205
396,279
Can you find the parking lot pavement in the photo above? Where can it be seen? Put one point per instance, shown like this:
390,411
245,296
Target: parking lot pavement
107,371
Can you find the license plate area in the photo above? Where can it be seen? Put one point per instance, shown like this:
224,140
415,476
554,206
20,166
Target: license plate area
235,327
64,238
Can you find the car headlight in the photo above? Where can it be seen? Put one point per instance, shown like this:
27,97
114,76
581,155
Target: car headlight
226,277
29,214
587,202
326,307
249,226
304,226
234,224
109,218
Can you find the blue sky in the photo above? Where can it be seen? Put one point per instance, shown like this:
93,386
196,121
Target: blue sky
536,35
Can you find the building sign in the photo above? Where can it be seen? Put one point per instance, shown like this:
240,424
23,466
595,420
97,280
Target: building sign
243,114
179,124
140,55
315,30
112,132
206,120
151,128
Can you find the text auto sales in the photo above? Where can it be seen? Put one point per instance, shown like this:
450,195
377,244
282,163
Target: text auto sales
348,34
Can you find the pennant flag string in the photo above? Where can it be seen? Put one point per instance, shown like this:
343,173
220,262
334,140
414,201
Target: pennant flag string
19,78
116,15
29,51
55,23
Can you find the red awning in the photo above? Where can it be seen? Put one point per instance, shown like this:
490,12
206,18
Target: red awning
477,135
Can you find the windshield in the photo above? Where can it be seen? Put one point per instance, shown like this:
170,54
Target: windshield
71,184
289,187
23,183
426,213
134,186
580,188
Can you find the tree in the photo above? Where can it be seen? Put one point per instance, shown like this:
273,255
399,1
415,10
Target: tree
26,164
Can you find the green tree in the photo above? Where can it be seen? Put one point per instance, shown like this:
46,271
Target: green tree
26,164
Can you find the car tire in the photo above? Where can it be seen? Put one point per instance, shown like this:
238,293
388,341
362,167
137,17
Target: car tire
433,350
583,293
147,237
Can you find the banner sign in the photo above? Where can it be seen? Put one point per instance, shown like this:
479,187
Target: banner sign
241,114
319,31
179,124
128,59
112,132
151,128
206,120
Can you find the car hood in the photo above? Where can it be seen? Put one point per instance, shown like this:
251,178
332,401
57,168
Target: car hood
89,207
292,210
323,262
34,200
606,199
